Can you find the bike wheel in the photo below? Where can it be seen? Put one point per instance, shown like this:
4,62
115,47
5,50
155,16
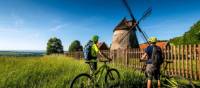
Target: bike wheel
112,78
82,81
171,83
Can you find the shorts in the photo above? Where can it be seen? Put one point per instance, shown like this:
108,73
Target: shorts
152,72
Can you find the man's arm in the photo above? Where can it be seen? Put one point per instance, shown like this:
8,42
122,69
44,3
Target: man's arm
144,57
100,53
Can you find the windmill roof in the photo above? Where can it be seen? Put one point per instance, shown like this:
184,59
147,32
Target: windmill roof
123,25
102,45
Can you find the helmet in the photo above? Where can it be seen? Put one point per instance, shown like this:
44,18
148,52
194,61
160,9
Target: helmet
153,39
95,38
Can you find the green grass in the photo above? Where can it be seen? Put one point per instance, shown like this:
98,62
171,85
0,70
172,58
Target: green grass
53,72
39,72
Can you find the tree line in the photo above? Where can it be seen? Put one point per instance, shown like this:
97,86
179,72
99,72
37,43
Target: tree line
54,46
190,37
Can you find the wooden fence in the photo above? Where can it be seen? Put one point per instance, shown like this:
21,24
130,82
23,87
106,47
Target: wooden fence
186,59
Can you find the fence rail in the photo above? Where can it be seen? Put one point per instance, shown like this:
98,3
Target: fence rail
186,59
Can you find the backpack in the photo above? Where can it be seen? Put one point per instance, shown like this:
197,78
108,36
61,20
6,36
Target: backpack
87,50
157,58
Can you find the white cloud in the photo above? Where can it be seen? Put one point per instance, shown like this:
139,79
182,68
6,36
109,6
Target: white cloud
58,27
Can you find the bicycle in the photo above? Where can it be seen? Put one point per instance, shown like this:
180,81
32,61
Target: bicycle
168,81
85,80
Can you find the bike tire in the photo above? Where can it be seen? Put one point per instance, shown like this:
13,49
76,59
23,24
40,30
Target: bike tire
112,75
171,83
90,83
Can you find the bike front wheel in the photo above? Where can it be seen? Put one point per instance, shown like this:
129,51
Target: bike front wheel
112,78
82,81
171,83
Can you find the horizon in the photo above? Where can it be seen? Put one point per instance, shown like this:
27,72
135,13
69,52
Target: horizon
29,24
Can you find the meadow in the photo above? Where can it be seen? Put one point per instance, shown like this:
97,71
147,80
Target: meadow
55,71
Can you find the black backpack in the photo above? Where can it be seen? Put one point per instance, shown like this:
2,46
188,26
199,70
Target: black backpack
157,57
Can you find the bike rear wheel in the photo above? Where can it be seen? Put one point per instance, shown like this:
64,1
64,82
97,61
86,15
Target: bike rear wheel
112,78
82,81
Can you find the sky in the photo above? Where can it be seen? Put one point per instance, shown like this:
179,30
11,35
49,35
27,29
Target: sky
28,24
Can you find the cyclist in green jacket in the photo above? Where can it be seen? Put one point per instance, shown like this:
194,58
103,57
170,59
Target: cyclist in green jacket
94,52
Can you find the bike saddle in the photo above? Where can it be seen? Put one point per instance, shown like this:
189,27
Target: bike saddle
88,62
169,61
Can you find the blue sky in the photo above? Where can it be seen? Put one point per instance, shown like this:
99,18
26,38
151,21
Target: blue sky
28,24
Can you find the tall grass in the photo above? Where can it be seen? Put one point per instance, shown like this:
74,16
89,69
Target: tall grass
53,72
38,72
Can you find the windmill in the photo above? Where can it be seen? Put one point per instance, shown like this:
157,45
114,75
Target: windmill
124,35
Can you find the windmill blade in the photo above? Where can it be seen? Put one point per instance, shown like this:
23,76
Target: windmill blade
138,27
129,10
146,14
135,23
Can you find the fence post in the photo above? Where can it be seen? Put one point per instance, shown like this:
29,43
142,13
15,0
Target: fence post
191,57
112,56
199,60
171,58
168,57
195,59
175,60
179,69
134,62
182,53
186,47
165,57
126,53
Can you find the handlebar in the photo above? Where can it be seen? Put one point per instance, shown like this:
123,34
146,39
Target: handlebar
104,60
107,60
143,60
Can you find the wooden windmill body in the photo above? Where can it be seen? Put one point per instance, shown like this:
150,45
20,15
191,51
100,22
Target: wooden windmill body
123,29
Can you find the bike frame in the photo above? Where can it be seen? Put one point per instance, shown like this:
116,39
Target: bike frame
100,71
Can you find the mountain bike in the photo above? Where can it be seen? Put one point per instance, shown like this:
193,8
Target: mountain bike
168,81
85,80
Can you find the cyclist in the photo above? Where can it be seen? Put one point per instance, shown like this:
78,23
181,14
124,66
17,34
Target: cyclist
94,52
152,70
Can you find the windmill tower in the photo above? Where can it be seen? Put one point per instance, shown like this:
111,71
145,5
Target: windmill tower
130,40
124,34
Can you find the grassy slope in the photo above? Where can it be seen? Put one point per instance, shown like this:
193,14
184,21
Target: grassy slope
37,72
51,72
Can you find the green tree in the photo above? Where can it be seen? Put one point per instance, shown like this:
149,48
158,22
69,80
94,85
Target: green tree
75,46
54,45
190,37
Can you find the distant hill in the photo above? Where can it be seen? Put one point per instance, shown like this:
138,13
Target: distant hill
22,53
190,37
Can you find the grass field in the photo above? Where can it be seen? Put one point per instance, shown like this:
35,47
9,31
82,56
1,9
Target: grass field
52,72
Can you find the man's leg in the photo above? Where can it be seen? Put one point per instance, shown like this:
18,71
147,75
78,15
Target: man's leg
93,66
149,83
149,72
159,84
157,76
